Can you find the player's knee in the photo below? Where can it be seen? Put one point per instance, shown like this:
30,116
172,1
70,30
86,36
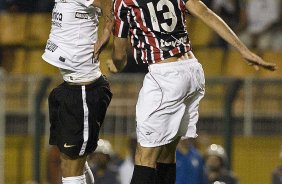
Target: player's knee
145,161
146,156
167,158
72,166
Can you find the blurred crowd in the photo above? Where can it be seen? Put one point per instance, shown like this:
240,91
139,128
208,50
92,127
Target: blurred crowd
257,22
193,167
28,6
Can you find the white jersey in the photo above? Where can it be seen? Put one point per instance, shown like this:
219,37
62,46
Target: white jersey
71,41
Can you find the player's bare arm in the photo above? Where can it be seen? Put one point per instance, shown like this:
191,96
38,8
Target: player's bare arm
200,10
108,20
119,57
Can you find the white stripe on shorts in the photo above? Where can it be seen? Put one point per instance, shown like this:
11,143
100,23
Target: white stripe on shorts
85,122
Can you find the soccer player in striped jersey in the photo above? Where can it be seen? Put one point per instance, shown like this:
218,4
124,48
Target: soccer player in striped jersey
167,106
77,107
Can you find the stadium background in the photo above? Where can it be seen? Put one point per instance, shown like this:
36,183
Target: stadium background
256,108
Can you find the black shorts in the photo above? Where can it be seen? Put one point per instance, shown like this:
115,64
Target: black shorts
76,115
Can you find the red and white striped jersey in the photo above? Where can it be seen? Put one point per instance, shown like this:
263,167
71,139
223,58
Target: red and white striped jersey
157,28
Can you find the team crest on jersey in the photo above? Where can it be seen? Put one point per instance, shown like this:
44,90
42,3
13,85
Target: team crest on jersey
81,15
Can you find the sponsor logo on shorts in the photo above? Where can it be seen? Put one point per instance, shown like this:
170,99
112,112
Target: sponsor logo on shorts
79,15
62,59
69,145
51,46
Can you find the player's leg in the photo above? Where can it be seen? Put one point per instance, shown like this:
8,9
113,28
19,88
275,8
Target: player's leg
72,166
63,131
145,165
75,123
72,169
166,164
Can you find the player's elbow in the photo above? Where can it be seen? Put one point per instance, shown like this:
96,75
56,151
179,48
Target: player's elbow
119,60
119,52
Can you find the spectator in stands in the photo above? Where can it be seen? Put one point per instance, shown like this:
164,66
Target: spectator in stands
261,20
189,164
100,164
45,5
277,172
216,161
230,11
28,6
2,6
126,168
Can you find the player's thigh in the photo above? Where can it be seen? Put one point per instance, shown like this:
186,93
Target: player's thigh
167,154
147,156
72,166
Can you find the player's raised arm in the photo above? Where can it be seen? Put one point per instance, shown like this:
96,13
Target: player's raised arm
120,32
200,10
108,20
119,56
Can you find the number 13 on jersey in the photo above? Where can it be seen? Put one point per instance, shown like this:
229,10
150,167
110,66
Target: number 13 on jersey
170,14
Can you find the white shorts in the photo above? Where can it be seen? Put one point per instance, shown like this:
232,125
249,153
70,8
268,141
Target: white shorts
168,102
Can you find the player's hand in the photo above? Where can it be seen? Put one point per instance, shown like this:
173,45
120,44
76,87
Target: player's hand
183,57
111,66
256,61
186,56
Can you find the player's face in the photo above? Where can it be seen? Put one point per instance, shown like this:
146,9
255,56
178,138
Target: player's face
100,160
213,163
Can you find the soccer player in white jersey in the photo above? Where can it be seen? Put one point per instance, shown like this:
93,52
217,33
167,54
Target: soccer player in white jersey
77,107
167,106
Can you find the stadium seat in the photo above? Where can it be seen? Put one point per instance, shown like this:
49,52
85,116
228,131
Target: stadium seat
13,60
13,28
39,27
211,60
199,33
36,65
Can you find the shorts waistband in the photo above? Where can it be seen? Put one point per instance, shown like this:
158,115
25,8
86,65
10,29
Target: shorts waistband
101,81
172,64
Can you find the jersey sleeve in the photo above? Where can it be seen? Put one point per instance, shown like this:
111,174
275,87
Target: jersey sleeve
121,25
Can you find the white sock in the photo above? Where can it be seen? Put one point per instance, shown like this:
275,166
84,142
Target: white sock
74,180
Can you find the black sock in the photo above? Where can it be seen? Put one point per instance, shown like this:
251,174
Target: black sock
166,173
143,175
